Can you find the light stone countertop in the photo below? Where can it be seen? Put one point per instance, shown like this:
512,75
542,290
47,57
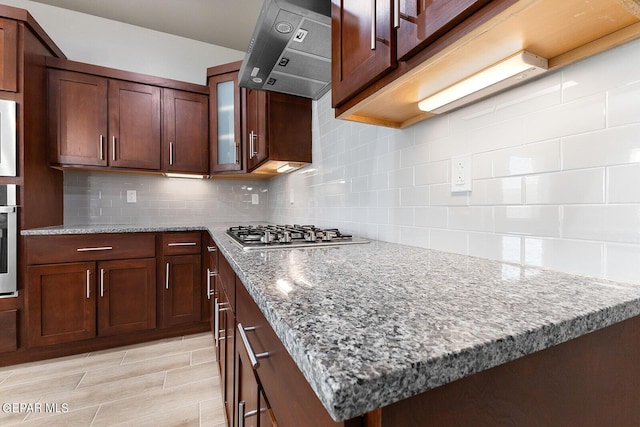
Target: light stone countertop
372,324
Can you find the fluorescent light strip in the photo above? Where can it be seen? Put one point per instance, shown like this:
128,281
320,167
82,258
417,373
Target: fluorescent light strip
509,72
183,175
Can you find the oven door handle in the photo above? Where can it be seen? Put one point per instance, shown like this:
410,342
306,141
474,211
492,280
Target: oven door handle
7,209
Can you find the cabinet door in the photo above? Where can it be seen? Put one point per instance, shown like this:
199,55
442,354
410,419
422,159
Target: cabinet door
180,290
127,296
8,55
423,21
185,132
77,118
224,334
224,122
256,128
134,125
362,45
247,400
61,303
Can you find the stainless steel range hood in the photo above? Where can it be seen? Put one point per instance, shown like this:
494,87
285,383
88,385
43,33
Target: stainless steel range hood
290,50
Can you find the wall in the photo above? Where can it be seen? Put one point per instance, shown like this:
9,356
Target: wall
101,198
555,168
99,41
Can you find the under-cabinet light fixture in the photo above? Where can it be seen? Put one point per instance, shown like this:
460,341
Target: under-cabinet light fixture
290,167
183,175
506,73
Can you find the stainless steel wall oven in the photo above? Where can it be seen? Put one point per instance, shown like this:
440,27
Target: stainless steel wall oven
8,240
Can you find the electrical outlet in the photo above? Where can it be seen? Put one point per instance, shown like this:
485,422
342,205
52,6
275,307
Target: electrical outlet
461,174
131,196
254,199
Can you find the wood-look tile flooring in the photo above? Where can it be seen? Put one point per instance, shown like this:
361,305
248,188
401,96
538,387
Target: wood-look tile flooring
171,382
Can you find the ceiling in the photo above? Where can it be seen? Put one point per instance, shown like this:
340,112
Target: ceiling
227,23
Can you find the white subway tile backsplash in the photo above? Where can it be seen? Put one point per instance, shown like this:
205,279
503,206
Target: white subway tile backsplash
578,257
623,184
623,105
612,146
472,218
431,217
401,178
613,223
448,241
526,159
528,220
441,195
622,261
584,115
433,173
560,187
414,196
496,246
499,191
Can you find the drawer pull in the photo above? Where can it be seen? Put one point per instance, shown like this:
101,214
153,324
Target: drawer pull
88,284
242,413
216,320
212,248
101,282
100,248
209,291
166,279
182,244
253,357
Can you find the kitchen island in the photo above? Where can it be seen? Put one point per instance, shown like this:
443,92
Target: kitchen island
376,325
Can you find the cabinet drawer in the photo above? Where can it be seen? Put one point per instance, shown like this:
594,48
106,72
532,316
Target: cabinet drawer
181,243
227,280
89,247
289,394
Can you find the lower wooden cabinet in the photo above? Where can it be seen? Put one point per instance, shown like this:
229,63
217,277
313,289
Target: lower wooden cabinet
181,290
76,301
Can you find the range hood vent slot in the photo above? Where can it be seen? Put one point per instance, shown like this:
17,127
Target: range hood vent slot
290,49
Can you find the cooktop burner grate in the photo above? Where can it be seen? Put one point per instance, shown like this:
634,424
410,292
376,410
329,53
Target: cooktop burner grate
288,236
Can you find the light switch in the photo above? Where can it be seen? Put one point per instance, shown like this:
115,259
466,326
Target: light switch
254,199
131,196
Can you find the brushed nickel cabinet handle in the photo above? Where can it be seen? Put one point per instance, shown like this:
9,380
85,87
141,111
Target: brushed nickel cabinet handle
216,320
253,357
99,248
211,248
101,282
166,280
237,153
101,147
182,244
396,13
113,146
373,24
209,283
241,413
171,153
88,284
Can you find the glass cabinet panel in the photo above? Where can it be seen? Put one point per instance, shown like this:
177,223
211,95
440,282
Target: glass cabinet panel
227,152
225,116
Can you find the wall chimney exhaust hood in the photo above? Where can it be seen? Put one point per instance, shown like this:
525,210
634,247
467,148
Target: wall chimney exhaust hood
290,49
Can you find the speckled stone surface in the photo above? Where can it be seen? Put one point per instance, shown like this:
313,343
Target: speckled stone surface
372,324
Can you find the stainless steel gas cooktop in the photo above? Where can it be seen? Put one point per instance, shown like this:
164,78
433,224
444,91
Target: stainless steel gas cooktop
288,236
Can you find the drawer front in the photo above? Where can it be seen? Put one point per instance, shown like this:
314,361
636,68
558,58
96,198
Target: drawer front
181,243
89,247
8,331
289,394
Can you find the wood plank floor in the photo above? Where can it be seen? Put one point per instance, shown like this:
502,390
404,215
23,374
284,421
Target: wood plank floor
171,382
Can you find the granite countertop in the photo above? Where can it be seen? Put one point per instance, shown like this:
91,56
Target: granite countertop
371,324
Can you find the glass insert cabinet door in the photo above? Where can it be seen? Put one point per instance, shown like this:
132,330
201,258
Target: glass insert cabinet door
225,122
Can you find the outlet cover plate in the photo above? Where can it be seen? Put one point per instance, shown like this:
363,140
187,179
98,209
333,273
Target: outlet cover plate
461,174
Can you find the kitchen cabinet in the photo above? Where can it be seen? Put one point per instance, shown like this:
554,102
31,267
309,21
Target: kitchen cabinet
363,44
255,132
8,330
224,335
225,119
80,287
439,43
9,55
96,121
180,287
278,131
185,132
420,22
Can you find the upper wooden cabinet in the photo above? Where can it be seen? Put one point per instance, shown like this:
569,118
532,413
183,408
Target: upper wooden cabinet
420,22
8,55
278,131
225,111
185,141
439,43
113,119
363,45
94,121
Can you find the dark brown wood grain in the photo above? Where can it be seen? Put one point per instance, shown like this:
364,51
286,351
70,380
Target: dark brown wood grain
289,126
180,293
9,55
354,64
126,296
8,330
185,132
